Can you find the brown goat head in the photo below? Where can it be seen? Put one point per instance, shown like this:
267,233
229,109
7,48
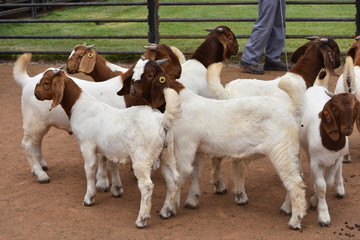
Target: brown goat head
354,51
81,59
218,46
326,47
162,51
339,115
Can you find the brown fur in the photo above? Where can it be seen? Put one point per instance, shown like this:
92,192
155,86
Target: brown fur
218,46
59,88
91,63
310,58
354,52
150,87
337,119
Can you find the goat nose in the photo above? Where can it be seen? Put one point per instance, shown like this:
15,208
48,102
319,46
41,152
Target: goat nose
348,131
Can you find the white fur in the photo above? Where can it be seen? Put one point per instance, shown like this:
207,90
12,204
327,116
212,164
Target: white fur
322,161
136,133
37,119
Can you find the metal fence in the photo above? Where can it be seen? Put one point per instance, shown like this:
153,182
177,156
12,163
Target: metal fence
153,20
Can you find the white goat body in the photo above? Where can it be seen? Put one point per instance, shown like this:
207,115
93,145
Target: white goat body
239,128
37,119
137,133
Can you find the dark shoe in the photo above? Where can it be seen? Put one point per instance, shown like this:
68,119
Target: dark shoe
275,66
251,68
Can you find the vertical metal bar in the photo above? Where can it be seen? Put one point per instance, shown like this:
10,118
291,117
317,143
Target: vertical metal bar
33,10
153,21
357,16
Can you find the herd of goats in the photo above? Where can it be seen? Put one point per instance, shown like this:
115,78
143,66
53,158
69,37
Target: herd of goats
174,114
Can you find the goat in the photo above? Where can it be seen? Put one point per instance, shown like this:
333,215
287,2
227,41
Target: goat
138,133
353,58
37,120
326,123
238,128
309,60
85,59
220,44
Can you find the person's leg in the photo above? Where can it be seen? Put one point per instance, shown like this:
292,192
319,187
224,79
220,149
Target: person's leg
261,31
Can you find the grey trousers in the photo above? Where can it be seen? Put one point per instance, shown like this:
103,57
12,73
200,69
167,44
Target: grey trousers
268,34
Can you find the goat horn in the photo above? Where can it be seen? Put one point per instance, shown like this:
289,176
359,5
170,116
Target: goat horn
330,94
142,57
312,38
220,29
84,44
161,61
90,46
324,40
357,38
57,71
151,47
209,29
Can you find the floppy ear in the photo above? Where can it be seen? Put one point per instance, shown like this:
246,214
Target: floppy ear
88,62
352,51
329,58
329,123
157,90
127,76
299,52
57,89
357,112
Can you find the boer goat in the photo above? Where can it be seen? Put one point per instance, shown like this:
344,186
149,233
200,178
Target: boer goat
238,128
326,123
309,60
138,133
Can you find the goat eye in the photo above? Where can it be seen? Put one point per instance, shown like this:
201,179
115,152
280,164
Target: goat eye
80,56
150,75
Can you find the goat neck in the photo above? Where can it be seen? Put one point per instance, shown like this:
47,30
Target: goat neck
307,69
102,71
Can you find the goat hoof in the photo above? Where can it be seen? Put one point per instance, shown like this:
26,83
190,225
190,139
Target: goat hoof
295,227
44,181
190,206
102,189
324,224
339,196
167,213
117,191
220,191
142,222
241,199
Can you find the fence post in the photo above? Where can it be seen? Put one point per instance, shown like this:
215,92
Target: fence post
153,21
33,10
357,5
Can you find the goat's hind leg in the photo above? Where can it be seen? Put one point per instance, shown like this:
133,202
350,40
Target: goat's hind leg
238,169
31,143
216,176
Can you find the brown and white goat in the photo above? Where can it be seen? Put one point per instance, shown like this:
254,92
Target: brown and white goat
326,123
238,128
138,133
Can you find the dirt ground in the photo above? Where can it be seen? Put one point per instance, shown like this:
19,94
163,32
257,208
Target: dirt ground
29,210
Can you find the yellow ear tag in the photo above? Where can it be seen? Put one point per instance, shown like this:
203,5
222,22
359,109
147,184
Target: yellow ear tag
90,55
162,79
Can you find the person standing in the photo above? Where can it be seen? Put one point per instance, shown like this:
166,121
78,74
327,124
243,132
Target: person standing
267,37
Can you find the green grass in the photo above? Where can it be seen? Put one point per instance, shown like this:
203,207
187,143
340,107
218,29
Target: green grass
239,28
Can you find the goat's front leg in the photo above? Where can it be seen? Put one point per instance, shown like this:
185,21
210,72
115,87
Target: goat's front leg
339,182
192,200
89,156
32,145
320,194
142,172
216,176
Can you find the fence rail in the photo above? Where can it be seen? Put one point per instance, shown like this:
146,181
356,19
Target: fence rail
154,20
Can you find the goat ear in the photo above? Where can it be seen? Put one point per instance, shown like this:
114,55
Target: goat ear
157,91
352,52
127,76
329,58
329,123
57,89
299,52
88,62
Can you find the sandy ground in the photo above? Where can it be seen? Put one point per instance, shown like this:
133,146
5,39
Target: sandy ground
29,210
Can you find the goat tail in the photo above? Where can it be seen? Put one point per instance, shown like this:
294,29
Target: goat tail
349,75
322,78
214,83
296,90
19,71
173,108
179,54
